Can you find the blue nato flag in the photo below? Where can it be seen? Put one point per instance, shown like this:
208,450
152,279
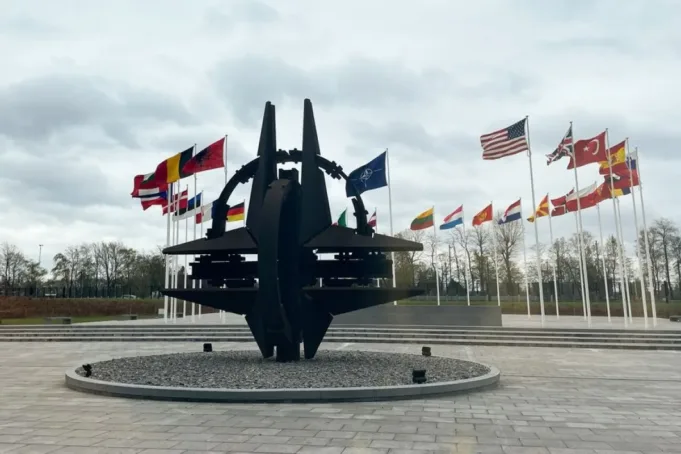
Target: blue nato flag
371,175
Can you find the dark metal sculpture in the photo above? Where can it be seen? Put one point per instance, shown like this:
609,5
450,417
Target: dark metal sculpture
288,223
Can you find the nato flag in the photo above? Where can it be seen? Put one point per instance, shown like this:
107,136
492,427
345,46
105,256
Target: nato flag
371,175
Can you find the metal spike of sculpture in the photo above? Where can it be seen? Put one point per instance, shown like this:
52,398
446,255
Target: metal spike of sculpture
288,223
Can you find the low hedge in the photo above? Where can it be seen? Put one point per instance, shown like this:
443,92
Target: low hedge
26,307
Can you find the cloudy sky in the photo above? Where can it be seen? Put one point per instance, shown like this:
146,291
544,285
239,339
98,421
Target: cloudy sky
93,93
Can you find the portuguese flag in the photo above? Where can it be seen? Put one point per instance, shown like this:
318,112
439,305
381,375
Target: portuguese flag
342,221
423,220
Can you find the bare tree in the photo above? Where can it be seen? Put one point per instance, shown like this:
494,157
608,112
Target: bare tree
406,261
509,239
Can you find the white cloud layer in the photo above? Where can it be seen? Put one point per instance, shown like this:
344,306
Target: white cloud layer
92,93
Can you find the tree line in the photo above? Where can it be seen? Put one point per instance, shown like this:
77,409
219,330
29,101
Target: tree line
461,258
113,269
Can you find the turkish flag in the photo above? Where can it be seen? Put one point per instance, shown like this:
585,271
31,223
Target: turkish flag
589,151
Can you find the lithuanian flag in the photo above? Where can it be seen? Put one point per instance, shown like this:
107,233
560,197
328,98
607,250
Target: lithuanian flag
423,220
542,209
236,213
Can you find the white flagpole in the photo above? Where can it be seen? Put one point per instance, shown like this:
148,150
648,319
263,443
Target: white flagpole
222,313
605,271
494,246
581,268
437,274
466,268
166,301
554,258
536,230
620,257
527,281
579,234
647,244
644,298
194,238
378,281
200,282
390,215
624,258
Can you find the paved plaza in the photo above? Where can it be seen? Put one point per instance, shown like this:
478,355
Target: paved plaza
508,320
550,401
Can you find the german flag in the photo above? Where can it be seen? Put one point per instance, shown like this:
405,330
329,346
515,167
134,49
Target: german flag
236,212
170,170
423,220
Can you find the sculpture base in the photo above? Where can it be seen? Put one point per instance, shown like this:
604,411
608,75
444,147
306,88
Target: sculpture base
244,376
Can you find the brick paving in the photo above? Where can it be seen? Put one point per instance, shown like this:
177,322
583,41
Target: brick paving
550,401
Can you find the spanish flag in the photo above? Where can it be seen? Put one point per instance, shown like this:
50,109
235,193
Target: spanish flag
616,156
236,212
170,170
484,216
542,209
423,220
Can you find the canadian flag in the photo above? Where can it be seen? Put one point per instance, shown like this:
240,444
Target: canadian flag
372,220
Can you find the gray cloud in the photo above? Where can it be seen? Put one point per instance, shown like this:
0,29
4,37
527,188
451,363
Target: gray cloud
251,12
39,108
359,83
56,184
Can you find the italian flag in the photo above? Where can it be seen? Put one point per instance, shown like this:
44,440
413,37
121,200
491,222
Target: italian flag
342,221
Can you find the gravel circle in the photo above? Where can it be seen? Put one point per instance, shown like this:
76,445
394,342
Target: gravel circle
246,369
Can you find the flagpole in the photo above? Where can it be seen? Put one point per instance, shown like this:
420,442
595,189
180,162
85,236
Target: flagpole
194,238
200,282
437,277
494,246
536,230
527,281
605,270
581,269
166,301
222,313
579,234
624,258
619,249
553,262
647,244
173,283
644,298
378,282
390,215
467,268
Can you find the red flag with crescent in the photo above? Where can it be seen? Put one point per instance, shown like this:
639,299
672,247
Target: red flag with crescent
589,151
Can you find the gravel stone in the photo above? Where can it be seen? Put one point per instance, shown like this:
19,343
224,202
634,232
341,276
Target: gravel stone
246,369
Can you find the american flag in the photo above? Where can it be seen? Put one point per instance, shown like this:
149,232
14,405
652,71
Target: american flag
505,142
564,148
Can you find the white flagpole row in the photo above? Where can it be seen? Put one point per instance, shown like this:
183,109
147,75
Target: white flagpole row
467,268
494,246
587,297
605,271
437,274
222,313
554,259
536,232
527,281
390,215
199,208
620,258
581,268
166,300
620,232
644,298
649,262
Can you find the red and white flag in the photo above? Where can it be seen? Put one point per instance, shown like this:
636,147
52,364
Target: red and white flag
372,220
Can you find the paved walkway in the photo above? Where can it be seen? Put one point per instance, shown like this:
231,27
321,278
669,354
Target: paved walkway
551,401
508,320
